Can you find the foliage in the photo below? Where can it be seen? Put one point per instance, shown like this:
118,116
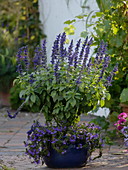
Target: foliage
19,25
110,25
103,5
124,96
15,100
7,72
122,126
72,84
42,138
102,122
109,135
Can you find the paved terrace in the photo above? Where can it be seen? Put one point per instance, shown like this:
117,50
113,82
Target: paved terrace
13,133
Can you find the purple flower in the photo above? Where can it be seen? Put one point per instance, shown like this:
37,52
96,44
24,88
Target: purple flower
87,51
55,49
70,49
110,77
76,53
12,116
32,80
62,50
43,54
73,138
124,130
37,58
63,152
105,65
80,146
100,52
82,50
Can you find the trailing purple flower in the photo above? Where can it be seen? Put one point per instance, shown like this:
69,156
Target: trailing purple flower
77,137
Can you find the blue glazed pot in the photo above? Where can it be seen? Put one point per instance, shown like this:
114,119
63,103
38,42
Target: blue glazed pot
73,158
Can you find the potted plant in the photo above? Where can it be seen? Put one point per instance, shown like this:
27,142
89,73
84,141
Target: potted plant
72,84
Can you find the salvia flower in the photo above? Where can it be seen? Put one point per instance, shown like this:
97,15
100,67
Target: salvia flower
37,58
76,53
55,49
43,54
87,51
82,50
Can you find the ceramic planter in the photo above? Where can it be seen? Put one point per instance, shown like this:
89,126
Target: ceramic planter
73,158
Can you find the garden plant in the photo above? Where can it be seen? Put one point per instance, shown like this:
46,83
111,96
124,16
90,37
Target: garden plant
73,83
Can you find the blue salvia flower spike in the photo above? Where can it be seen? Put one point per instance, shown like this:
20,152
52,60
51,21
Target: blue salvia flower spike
87,51
104,65
70,52
26,61
19,58
37,58
56,66
62,41
76,53
70,49
71,59
100,52
110,77
82,50
89,64
44,54
55,50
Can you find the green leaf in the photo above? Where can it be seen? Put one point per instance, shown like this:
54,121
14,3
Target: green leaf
99,14
84,34
53,94
102,103
67,115
69,21
80,16
61,116
33,98
72,102
124,95
55,111
108,96
22,93
61,88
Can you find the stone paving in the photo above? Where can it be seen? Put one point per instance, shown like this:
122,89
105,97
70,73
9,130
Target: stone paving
13,133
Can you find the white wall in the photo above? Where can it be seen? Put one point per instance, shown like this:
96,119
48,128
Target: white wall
53,14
